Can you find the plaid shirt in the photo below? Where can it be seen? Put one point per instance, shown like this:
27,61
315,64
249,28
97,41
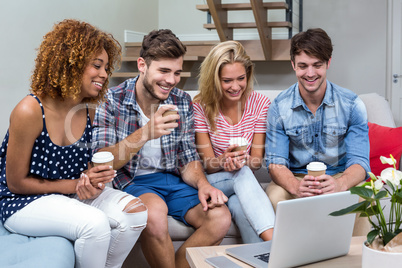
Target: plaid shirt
120,116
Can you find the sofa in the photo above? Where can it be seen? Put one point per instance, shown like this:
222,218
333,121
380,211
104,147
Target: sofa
21,251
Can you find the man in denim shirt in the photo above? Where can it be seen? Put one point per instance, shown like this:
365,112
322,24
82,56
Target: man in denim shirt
315,120
155,155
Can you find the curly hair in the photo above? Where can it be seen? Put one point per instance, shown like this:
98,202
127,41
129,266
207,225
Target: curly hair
209,84
63,56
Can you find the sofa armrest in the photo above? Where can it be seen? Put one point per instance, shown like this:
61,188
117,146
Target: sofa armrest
378,110
20,251
400,164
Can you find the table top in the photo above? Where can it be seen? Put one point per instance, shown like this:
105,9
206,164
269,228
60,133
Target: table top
196,256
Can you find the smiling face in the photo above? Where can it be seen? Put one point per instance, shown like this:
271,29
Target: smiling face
95,75
233,79
159,77
311,73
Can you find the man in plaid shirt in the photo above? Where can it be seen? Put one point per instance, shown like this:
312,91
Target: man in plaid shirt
155,156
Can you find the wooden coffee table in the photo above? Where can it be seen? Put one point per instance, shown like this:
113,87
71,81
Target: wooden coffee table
196,256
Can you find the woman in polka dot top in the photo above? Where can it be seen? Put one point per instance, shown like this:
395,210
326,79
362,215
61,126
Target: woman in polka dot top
47,186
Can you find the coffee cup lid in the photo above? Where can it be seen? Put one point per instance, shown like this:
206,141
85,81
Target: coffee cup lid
174,109
241,141
316,166
102,157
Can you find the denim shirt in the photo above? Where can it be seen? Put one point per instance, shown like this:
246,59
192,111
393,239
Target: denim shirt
337,134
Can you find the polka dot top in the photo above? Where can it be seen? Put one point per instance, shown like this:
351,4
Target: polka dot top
49,161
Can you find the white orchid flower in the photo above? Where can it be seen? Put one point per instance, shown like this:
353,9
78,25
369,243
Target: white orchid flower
378,184
386,160
392,175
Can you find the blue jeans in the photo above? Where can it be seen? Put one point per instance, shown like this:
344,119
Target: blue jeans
250,207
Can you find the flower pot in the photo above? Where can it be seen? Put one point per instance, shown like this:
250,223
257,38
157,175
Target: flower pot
376,258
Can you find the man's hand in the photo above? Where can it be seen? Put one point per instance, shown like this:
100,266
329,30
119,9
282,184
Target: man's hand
211,197
328,184
158,126
309,186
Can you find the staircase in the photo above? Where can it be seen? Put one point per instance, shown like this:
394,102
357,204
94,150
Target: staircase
265,48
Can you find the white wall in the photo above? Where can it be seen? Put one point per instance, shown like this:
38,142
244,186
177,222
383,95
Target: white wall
358,30
24,22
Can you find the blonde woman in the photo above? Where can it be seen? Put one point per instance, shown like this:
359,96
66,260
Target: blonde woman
227,107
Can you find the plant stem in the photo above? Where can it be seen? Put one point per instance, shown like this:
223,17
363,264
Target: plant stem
392,212
381,220
397,216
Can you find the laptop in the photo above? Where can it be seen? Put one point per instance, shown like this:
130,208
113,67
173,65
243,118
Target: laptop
304,233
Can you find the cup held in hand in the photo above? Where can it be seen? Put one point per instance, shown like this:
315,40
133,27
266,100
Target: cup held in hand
102,158
241,142
316,169
170,112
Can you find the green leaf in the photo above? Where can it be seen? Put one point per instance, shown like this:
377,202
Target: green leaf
397,197
365,184
371,211
390,185
388,237
372,235
363,192
372,176
381,194
359,207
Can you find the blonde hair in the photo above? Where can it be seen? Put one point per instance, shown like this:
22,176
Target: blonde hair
209,84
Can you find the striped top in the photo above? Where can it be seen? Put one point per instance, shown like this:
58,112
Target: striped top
254,120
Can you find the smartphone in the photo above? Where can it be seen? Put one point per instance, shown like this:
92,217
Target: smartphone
221,262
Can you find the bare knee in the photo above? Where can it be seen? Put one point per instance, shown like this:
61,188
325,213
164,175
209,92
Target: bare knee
157,225
219,216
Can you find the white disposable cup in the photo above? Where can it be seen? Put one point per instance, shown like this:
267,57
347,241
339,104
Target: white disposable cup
169,112
103,158
316,169
241,142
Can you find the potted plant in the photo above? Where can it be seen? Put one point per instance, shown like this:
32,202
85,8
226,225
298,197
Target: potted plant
385,238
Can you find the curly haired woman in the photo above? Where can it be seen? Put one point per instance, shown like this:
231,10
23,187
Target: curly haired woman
47,186
227,107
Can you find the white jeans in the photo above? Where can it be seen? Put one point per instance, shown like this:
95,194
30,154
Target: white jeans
102,232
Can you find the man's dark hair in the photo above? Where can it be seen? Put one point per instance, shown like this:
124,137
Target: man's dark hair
314,42
161,44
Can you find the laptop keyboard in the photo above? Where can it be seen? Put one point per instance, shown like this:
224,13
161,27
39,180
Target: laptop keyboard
264,257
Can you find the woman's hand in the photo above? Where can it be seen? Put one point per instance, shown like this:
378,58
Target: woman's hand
231,161
85,190
100,175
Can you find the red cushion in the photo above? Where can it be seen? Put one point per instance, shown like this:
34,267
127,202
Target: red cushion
383,142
